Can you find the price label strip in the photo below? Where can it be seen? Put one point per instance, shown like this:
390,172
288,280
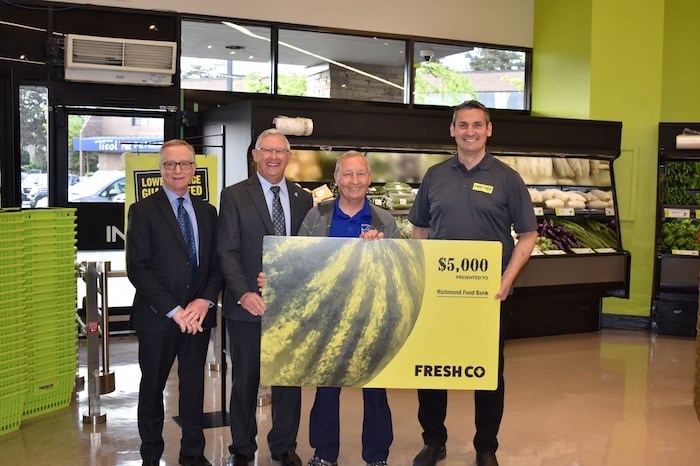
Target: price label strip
554,252
564,212
685,252
677,213
385,313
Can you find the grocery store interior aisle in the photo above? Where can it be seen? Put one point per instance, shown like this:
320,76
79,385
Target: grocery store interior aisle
610,398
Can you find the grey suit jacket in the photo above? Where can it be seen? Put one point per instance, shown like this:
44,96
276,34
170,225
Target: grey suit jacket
243,221
158,265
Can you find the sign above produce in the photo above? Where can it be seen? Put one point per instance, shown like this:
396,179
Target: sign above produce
389,313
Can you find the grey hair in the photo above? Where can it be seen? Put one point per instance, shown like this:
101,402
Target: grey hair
347,155
269,132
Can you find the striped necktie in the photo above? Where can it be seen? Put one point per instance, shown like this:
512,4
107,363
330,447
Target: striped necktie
277,212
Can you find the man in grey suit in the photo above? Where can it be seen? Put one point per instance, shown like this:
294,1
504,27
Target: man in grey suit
171,260
246,215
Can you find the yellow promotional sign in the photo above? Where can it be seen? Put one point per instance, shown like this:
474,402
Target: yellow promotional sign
390,313
143,178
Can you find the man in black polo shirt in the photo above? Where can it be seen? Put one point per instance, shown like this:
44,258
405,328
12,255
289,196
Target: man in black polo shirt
472,196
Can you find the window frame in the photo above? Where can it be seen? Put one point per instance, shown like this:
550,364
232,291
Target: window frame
409,70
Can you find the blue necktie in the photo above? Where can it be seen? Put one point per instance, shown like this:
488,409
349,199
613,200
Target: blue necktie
183,219
277,212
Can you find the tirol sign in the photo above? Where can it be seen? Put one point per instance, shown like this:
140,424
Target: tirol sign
136,144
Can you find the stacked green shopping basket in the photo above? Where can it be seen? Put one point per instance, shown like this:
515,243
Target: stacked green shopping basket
52,344
13,356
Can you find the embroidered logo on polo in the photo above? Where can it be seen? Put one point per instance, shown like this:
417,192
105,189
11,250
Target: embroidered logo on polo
484,188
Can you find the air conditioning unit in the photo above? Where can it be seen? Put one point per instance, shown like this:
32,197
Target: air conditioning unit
119,61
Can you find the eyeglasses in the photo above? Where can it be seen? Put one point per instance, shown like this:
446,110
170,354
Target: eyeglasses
186,165
272,150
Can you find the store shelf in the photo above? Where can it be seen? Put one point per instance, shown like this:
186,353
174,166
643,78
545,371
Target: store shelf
608,271
677,259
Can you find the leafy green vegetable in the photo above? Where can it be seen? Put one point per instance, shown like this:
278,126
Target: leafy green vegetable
680,234
679,178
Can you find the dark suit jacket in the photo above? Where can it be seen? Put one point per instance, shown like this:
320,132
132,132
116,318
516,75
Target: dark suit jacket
157,263
243,221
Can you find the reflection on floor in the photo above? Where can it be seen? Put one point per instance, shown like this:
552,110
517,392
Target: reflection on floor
616,398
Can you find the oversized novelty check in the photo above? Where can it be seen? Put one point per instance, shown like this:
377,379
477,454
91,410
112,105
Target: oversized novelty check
391,313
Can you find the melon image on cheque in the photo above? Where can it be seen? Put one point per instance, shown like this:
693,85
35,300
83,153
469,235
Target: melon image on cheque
338,309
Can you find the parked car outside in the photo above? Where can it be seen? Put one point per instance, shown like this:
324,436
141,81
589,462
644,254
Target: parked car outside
30,181
102,186
41,190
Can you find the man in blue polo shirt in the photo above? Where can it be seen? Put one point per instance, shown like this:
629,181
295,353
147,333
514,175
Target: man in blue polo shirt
472,196
350,215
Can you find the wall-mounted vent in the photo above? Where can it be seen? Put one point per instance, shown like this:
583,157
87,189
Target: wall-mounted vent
119,61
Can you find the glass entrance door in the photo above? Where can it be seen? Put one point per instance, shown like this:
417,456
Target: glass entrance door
91,147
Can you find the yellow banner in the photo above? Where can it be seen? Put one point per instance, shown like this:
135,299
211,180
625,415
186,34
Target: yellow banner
143,178
385,313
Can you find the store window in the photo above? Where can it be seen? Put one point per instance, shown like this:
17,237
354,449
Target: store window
34,143
225,56
450,74
341,66
97,147
234,56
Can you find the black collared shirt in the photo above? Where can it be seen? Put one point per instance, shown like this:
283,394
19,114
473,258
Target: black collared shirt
477,204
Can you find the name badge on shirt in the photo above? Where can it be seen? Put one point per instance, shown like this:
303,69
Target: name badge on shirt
484,188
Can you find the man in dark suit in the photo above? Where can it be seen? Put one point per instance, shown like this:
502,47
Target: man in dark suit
171,260
246,215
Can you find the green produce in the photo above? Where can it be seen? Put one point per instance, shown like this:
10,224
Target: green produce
590,233
379,200
545,244
405,227
680,178
397,186
375,190
680,234
348,308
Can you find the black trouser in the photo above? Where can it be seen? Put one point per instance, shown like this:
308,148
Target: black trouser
157,352
244,345
488,412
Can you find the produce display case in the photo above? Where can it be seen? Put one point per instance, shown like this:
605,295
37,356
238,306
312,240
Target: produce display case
579,257
677,260
570,161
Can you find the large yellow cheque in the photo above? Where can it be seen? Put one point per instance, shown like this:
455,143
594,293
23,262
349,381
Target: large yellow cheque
391,313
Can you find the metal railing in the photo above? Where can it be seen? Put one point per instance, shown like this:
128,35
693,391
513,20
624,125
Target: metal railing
96,328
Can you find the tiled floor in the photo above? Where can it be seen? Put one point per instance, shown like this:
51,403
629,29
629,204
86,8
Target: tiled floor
615,398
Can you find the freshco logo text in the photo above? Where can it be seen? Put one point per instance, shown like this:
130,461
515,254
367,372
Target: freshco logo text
430,370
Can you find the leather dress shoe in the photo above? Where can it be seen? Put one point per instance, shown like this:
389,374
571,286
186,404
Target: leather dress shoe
288,458
239,460
316,461
150,463
198,460
486,459
430,455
